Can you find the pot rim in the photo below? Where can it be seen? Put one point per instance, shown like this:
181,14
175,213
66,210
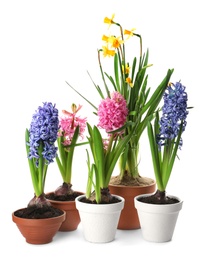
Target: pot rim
157,208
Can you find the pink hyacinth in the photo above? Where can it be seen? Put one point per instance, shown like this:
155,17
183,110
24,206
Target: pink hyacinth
68,124
112,112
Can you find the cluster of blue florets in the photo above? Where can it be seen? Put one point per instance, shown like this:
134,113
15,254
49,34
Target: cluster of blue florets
174,113
43,130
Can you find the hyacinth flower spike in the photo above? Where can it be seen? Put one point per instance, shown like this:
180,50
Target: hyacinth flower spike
71,127
40,141
112,113
165,137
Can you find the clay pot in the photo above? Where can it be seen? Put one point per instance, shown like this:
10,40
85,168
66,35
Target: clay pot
38,231
129,217
72,219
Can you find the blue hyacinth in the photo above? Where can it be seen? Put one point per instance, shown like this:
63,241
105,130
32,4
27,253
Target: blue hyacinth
43,132
174,113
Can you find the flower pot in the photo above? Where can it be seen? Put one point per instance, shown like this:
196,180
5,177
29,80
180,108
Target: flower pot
157,221
129,218
72,219
99,221
38,231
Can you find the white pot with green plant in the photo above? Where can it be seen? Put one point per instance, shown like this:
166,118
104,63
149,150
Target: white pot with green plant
99,209
130,81
71,129
158,212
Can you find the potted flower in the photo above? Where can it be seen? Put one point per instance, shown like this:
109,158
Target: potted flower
98,208
131,82
40,221
159,211
71,127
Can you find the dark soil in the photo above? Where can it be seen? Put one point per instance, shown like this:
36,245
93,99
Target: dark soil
113,200
67,197
38,213
158,198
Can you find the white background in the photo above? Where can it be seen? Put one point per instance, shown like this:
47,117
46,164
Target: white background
45,43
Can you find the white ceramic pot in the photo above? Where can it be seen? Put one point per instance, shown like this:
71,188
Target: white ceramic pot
157,221
99,221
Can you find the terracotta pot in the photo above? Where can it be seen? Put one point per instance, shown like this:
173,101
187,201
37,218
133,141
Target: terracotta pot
158,221
99,221
38,231
129,217
72,219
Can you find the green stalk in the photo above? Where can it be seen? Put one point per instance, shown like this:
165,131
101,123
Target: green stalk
132,162
40,169
115,156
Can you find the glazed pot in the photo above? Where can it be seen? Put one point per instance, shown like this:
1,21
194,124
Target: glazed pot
72,219
157,221
99,221
38,231
129,218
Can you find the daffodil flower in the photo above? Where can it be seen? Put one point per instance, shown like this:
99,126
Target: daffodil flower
108,20
129,81
108,52
115,41
126,70
129,33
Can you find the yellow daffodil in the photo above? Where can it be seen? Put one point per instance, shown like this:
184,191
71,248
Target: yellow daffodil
129,33
108,52
127,69
108,20
105,38
128,80
115,41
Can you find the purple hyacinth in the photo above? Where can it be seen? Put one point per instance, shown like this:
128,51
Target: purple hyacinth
174,112
43,130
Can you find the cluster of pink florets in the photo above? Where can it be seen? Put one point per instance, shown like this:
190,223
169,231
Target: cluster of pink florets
112,112
68,123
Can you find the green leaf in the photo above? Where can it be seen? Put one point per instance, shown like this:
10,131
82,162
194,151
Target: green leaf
99,154
82,96
116,73
70,153
155,156
173,156
31,163
112,82
154,101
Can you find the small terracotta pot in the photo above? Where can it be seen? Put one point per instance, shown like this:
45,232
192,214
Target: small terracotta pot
129,217
72,219
38,231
